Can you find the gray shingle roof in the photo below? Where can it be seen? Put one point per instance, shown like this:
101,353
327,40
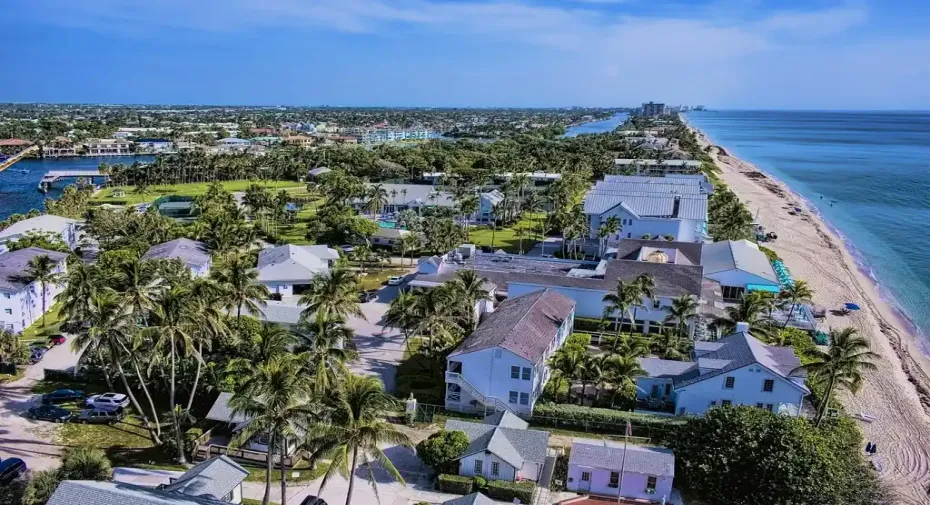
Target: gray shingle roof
214,478
656,367
515,446
290,263
13,266
220,411
506,419
608,455
736,351
192,253
85,492
525,325
737,255
470,499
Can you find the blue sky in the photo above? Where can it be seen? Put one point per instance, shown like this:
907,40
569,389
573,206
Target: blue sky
820,54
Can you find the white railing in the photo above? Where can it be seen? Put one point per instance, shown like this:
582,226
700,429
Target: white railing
456,378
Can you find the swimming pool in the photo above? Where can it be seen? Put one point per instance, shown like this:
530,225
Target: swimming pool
387,224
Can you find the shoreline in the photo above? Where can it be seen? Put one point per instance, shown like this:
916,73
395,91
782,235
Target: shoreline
898,392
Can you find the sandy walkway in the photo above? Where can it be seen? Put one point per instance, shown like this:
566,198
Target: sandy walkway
898,393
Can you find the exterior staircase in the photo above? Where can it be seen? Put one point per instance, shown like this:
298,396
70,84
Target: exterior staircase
490,401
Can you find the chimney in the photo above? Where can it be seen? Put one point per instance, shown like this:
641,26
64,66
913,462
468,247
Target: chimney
742,327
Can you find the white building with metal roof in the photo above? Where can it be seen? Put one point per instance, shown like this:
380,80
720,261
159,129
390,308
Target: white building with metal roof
739,266
288,269
22,300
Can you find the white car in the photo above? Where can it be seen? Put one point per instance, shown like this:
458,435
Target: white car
395,281
107,401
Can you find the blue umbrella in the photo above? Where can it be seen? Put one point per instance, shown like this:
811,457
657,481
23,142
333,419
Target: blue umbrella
852,306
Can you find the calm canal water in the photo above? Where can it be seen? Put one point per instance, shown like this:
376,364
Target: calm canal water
604,126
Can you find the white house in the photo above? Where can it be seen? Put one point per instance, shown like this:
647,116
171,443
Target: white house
739,266
735,370
20,298
650,207
288,269
501,448
222,412
63,227
486,203
387,237
502,364
629,471
192,253
108,147
218,478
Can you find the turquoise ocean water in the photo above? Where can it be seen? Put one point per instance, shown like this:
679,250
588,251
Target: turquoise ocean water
873,167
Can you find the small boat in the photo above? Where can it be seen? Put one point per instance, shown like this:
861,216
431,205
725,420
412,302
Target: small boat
24,171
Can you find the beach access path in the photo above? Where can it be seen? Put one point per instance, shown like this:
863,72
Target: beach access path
898,392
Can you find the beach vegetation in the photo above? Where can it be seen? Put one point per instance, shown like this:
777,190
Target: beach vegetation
440,450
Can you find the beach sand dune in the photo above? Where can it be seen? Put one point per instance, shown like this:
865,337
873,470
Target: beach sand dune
897,394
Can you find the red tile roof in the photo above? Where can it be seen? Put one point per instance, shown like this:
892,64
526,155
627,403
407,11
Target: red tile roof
14,142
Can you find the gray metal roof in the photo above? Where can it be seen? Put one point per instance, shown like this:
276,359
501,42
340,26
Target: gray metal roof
644,204
659,368
214,478
506,419
660,185
629,249
86,492
737,351
13,266
515,446
525,325
220,411
417,195
684,180
324,252
289,263
609,455
737,255
470,499
192,253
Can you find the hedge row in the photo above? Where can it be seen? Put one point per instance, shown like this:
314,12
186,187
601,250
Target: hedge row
577,417
506,491
455,484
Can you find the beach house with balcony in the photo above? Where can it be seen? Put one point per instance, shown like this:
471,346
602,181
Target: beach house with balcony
735,370
617,469
501,447
108,147
502,365
740,267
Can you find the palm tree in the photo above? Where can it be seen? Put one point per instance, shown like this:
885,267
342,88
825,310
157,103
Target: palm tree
400,314
466,290
333,294
272,340
496,211
645,290
682,310
795,293
356,432
209,298
377,199
274,397
588,372
407,242
610,226
139,285
619,302
621,371
749,311
75,298
42,269
841,366
239,282
434,316
328,345
565,362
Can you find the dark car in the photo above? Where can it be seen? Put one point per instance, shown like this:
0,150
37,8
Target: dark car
100,416
367,296
11,469
50,413
61,396
313,500
37,354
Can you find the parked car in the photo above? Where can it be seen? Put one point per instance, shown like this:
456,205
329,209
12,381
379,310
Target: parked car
313,500
107,401
100,416
57,339
11,469
346,248
37,354
396,280
61,396
49,413
367,296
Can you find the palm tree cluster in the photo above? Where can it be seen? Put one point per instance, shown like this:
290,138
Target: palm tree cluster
613,371
758,308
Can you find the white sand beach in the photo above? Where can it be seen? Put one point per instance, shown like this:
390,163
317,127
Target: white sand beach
898,393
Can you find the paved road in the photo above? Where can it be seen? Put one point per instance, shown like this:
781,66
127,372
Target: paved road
380,349
33,441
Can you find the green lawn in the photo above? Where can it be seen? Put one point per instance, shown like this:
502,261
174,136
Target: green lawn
250,501
38,331
506,238
376,279
304,474
192,189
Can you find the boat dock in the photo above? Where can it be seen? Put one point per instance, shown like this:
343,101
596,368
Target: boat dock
9,162
54,176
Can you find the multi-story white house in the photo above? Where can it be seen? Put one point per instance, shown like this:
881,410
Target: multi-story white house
108,147
288,269
502,364
21,299
650,207
501,448
64,227
629,471
735,370
192,253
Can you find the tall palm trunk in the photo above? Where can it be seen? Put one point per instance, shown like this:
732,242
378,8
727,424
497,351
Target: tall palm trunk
282,452
182,457
788,319
148,396
135,403
352,475
190,401
825,401
43,304
269,467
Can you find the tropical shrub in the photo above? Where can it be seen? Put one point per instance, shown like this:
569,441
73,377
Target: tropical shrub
738,455
560,472
455,484
441,448
506,491
85,463
40,487
577,417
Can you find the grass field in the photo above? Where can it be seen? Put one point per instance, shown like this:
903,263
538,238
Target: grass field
39,331
192,189
376,278
506,238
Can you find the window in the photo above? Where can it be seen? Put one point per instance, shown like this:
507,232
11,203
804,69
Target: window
758,405
478,466
614,480
497,353
513,397
8,311
726,403
668,389
495,468
524,398
768,385
769,407
585,476
651,482
526,373
514,372
729,382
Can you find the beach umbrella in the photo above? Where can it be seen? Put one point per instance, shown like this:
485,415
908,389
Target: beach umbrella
852,306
